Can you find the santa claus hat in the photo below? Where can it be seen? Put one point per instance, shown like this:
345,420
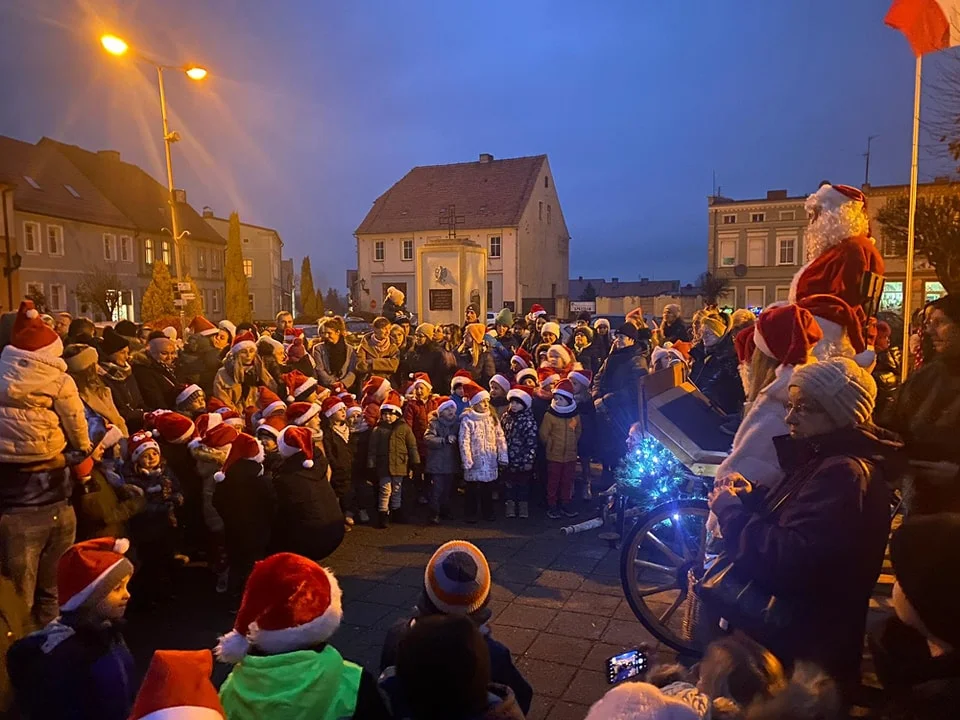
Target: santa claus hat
177,687
584,377
139,443
251,417
460,377
30,333
295,439
273,427
787,334
215,404
298,384
376,387
745,344
530,373
299,413
89,570
445,403
474,393
522,358
353,407
552,328
338,388
846,321
547,376
289,603
244,447
332,405
832,197
269,403
220,438
243,341
668,353
393,401
171,427
204,424
536,310
228,326
231,417
565,388
291,334
500,380
185,392
201,326
421,378
521,393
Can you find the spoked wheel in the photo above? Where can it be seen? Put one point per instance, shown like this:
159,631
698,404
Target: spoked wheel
661,556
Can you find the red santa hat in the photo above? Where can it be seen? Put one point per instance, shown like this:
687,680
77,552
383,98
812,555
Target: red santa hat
273,427
244,447
219,438
251,416
536,310
269,403
528,372
832,197
353,407
289,603
299,413
393,401
376,387
521,393
584,377
89,570
332,405
215,404
204,424
295,439
185,392
242,341
201,326
787,334
745,344
445,403
298,385
421,378
177,687
474,393
30,333
171,427
565,388
522,358
139,443
500,380
460,377
547,376
233,418
338,388
841,320
291,334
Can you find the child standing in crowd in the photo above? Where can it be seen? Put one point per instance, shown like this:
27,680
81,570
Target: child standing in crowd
78,666
460,379
267,434
443,456
190,401
482,449
528,378
499,387
339,447
103,501
210,452
581,380
416,413
393,452
520,432
560,432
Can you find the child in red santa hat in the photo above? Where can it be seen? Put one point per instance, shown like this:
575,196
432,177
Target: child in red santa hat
393,453
340,446
286,667
460,379
442,461
416,413
177,685
483,449
560,432
209,450
78,666
190,400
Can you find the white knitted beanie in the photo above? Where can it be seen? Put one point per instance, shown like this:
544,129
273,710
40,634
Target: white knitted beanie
845,390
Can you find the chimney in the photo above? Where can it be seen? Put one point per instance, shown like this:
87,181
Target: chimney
580,277
776,194
111,155
207,211
180,195
615,280
486,157
644,280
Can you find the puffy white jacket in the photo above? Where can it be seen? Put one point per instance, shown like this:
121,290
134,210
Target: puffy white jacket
482,446
40,408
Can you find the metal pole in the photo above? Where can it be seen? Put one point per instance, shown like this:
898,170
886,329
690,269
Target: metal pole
167,141
911,222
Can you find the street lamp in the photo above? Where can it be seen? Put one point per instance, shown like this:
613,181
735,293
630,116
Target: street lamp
117,46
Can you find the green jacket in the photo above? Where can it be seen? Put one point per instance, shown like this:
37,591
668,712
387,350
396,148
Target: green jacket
299,685
393,449
100,511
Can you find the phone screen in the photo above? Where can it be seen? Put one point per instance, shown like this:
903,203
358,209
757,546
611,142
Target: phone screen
626,665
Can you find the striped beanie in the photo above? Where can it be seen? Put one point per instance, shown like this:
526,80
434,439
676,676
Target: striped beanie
456,581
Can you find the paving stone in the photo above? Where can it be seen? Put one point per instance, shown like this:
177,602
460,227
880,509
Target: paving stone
496,607
364,614
625,612
631,633
602,584
559,648
587,687
506,591
515,638
588,627
596,659
395,595
516,573
597,550
548,678
567,711
574,563
560,579
608,566
411,576
354,588
592,603
526,616
543,596
540,707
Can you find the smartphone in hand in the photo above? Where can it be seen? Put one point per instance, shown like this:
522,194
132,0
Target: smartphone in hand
626,665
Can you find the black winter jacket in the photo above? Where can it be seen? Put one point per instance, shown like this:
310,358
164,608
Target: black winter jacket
482,371
886,373
308,521
340,454
158,385
246,501
127,398
199,362
429,358
717,375
616,387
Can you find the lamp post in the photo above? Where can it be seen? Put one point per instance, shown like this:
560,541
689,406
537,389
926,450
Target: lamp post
116,46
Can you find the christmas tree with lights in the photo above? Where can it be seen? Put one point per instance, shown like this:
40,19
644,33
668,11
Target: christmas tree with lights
650,473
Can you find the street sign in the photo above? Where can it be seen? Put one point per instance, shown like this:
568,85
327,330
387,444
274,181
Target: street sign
188,296
183,287
179,302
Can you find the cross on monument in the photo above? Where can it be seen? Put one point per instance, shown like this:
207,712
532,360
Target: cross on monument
450,220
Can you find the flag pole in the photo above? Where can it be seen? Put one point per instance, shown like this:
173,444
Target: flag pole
911,223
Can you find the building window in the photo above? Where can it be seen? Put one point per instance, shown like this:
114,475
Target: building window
126,248
727,300
248,268
756,251
58,297
276,269
215,259
728,252
541,210
495,246
933,290
407,250
148,251
215,300
786,251
253,305
729,219
31,237
31,182
34,290
756,297
201,259
788,215
109,247
758,217
783,293
246,241
70,189
165,252
379,250
892,298
546,181
489,294
55,240
894,248
548,214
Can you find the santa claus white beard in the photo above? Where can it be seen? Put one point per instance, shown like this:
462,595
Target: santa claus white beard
830,228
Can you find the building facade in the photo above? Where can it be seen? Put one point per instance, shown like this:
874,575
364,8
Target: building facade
613,297
262,249
508,207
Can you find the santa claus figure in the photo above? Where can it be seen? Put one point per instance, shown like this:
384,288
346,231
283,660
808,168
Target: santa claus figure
840,256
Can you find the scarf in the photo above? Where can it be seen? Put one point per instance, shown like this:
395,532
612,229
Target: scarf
380,346
98,398
562,409
337,352
342,430
117,373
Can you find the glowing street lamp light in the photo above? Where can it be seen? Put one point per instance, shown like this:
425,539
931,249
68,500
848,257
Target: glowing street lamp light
113,45
196,73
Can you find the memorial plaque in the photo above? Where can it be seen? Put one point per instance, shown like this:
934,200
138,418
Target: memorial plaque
441,299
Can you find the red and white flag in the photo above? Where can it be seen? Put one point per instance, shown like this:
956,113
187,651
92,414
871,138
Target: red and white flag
930,25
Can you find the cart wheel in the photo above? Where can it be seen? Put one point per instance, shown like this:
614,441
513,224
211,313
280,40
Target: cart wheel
661,557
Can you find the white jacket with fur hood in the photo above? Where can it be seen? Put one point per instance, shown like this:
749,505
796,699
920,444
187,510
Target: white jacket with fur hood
40,408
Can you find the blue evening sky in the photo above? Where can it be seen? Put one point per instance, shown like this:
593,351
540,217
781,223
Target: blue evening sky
313,108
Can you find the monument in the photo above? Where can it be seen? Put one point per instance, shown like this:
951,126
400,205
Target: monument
451,274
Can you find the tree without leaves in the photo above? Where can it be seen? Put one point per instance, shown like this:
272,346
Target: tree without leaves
158,299
936,232
39,301
712,286
102,289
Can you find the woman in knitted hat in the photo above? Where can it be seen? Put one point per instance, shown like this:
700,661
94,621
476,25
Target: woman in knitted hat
474,357
242,374
117,374
816,540
715,367
96,396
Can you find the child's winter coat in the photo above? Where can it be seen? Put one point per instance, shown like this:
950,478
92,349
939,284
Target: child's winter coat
520,432
416,414
247,502
104,510
560,435
393,449
482,446
443,458
339,445
163,497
